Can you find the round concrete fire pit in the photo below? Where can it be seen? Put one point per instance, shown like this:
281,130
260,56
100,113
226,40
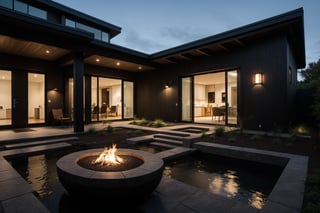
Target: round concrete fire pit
132,183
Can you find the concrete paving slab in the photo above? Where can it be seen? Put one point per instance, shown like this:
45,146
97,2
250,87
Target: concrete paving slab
14,187
41,142
26,203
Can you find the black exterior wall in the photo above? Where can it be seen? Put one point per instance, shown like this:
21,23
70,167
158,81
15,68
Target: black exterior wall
259,107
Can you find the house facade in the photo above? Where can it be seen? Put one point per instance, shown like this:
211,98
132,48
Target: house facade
53,56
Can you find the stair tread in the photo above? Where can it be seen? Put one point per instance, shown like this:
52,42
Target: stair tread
163,145
175,137
169,141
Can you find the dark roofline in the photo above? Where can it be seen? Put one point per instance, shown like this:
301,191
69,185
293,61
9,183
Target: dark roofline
269,22
52,5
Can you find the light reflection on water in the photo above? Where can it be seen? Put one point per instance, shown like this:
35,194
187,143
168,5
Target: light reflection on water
224,176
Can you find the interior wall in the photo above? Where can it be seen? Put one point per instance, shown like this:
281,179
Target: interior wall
5,94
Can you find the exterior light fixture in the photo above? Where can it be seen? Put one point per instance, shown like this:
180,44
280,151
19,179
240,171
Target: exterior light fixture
258,79
167,85
140,68
98,60
118,63
47,51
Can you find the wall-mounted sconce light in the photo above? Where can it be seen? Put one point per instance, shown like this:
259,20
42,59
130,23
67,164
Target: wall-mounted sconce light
167,85
55,89
258,78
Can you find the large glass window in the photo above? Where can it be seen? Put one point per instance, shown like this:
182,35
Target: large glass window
5,98
106,99
6,3
98,34
36,98
25,8
215,99
37,12
20,6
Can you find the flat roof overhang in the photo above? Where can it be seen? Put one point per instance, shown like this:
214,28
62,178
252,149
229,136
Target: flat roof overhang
28,36
290,24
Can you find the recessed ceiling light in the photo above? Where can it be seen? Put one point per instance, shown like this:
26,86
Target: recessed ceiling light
97,59
47,51
35,75
118,63
139,67
3,77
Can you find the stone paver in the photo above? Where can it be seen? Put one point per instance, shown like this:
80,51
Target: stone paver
26,203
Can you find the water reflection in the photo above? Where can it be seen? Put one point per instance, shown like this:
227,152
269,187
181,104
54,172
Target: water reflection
37,174
230,178
257,200
231,187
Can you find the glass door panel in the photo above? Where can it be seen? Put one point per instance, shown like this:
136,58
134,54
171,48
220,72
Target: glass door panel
5,98
232,98
36,98
106,98
128,99
94,99
186,103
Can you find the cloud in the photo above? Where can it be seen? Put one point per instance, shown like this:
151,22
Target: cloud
137,40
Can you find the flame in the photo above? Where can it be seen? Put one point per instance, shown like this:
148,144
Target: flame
109,157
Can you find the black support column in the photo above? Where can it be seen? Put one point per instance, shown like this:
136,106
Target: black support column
78,73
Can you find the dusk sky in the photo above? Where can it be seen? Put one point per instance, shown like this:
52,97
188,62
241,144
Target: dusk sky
151,26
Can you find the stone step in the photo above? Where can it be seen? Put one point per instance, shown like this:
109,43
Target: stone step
42,142
163,145
168,141
176,153
140,139
168,136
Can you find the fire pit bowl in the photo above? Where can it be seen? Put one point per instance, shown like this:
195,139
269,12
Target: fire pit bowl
132,183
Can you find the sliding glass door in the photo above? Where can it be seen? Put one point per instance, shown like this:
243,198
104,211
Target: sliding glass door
36,98
5,98
210,98
106,102
128,93
186,99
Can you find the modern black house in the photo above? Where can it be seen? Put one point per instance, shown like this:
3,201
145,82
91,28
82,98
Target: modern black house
54,57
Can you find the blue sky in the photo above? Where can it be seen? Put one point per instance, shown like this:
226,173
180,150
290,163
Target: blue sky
153,25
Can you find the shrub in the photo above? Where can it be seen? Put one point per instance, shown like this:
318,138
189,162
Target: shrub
311,208
134,133
219,131
110,129
159,123
91,130
232,139
143,122
255,137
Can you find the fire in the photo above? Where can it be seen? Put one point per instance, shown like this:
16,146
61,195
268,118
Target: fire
109,156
